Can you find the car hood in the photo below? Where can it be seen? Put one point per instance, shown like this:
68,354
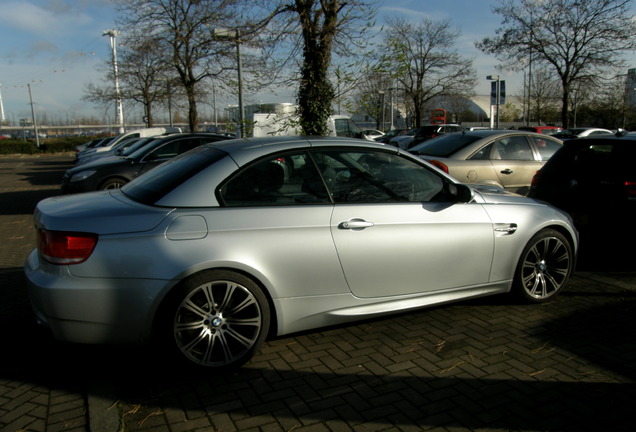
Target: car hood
104,212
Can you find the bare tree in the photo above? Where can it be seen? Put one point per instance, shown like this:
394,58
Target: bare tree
543,96
372,95
423,60
184,30
144,73
579,39
610,103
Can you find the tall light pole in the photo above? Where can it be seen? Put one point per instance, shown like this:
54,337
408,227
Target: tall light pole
383,109
2,118
119,116
234,35
35,123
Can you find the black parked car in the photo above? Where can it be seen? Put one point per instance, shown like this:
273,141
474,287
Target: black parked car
113,172
594,180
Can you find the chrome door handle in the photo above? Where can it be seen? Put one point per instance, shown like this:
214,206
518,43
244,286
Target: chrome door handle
355,224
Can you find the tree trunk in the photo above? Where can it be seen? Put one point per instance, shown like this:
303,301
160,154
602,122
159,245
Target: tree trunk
316,92
193,115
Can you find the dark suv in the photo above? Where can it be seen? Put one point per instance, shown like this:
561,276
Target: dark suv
594,180
431,131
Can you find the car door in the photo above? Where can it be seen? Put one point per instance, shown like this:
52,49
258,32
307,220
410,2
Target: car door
514,162
276,216
396,229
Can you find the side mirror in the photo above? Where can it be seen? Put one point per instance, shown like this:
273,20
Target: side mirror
461,192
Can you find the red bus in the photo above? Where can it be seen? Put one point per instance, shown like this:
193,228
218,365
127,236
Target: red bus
438,116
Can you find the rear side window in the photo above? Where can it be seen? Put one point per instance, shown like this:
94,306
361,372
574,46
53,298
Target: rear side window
285,179
346,128
158,182
546,148
514,148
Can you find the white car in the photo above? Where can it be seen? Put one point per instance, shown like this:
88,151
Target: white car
572,133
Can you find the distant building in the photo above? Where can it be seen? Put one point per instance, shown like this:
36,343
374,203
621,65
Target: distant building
267,108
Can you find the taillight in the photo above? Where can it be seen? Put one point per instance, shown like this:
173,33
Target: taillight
439,165
62,248
535,179
630,189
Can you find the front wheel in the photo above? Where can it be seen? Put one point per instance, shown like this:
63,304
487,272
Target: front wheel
544,266
113,183
218,319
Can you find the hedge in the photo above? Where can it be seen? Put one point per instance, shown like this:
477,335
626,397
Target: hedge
47,145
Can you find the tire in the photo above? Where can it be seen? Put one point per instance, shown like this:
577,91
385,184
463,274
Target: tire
544,267
113,183
218,319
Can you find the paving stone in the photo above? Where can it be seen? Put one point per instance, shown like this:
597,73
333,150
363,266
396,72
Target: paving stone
482,365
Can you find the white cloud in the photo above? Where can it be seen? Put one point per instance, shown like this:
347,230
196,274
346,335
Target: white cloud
34,19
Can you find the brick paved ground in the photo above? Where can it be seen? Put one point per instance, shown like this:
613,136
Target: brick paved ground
486,365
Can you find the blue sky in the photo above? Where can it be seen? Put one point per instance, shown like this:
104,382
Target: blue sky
56,46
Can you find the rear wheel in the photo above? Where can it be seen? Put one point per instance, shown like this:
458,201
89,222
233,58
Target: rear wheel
218,319
544,266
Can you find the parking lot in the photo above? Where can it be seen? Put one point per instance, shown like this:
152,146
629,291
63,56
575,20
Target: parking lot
488,365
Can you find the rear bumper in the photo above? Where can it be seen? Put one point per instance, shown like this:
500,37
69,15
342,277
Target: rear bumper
91,310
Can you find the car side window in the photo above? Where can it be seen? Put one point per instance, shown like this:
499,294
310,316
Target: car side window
173,148
483,153
326,176
164,152
546,148
354,176
289,179
514,148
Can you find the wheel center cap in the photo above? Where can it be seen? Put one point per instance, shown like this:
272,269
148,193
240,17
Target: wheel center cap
542,266
216,322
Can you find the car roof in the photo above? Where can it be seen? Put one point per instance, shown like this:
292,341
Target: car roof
244,150
603,137
490,132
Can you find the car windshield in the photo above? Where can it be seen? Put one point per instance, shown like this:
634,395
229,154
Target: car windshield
445,145
158,182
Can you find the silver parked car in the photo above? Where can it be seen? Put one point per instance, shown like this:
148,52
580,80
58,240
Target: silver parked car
220,247
505,159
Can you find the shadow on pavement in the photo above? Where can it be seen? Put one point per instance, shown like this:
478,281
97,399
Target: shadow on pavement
589,335
42,180
147,384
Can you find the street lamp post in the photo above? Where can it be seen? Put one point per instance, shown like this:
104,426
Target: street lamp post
497,95
119,118
234,35
383,109
35,123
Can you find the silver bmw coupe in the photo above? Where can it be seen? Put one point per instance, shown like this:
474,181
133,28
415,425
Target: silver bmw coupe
216,249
